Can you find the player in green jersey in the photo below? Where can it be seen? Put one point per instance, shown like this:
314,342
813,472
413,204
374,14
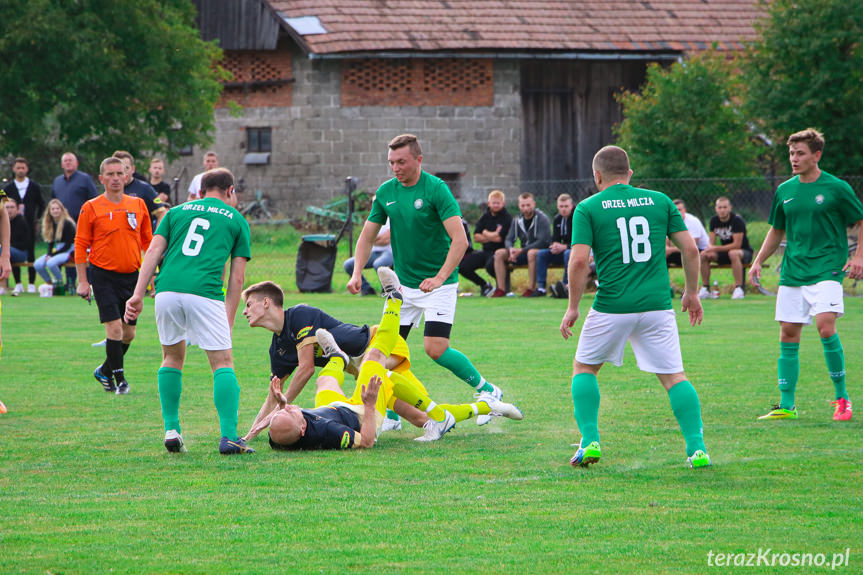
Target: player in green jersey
428,243
196,238
811,212
627,228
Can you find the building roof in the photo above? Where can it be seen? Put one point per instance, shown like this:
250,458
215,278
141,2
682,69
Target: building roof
550,26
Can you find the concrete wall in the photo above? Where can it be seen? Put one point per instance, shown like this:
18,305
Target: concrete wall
317,143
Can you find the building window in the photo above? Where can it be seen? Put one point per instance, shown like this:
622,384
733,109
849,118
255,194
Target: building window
259,140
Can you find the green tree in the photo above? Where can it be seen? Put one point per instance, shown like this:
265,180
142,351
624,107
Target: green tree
684,123
93,76
806,70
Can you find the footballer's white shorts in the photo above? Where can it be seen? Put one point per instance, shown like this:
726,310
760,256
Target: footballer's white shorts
652,335
437,305
800,304
202,321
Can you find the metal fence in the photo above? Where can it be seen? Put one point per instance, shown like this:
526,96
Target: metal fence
750,197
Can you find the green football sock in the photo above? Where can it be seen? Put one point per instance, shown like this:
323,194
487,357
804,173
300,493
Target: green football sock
226,396
170,387
687,410
393,415
788,369
458,363
834,355
585,401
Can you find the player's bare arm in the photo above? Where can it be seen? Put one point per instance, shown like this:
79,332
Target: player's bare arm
235,288
457,248
5,242
303,372
368,426
275,401
135,304
578,271
854,267
361,254
771,242
690,259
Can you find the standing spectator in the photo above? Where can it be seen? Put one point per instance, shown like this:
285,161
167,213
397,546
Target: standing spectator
733,248
58,229
138,188
532,229
558,251
695,229
211,162
381,255
31,204
116,229
811,211
73,189
157,171
490,231
428,243
19,240
195,240
627,227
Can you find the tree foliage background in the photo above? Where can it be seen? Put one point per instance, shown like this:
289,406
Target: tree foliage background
686,123
93,76
806,70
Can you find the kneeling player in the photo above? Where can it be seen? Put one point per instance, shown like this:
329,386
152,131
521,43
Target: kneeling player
333,410
293,350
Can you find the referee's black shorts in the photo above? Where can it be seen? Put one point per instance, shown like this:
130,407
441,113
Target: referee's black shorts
111,290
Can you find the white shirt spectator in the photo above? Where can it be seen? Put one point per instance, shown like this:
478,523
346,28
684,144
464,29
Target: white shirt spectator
195,187
697,231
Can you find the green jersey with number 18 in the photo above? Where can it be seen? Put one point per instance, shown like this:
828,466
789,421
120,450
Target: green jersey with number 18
419,239
627,227
202,235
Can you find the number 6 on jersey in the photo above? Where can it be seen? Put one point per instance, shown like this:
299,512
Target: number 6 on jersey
194,241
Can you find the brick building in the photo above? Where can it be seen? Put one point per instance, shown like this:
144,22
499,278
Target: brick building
500,93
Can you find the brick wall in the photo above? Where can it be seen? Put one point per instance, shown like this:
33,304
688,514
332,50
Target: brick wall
318,140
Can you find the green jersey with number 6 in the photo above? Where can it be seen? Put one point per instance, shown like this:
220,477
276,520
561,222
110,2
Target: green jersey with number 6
627,227
814,216
419,239
202,235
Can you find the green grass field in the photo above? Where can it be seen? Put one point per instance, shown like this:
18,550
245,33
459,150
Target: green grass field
87,487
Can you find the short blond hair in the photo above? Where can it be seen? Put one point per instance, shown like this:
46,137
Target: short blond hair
497,194
268,289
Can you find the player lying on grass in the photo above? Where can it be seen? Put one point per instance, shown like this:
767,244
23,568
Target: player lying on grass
401,390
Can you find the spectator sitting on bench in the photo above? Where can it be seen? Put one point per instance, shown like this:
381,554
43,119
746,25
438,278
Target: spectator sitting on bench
381,255
558,251
19,243
58,229
532,229
695,229
490,231
733,248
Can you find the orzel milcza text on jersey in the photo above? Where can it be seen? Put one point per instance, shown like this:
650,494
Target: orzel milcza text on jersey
628,203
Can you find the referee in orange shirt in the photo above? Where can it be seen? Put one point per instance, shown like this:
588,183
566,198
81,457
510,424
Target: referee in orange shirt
116,229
